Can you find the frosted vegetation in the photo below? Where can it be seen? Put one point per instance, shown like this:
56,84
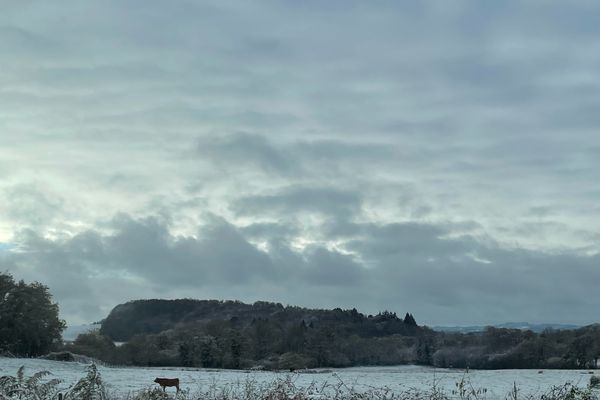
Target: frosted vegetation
75,381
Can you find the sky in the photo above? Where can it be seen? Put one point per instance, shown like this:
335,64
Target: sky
434,157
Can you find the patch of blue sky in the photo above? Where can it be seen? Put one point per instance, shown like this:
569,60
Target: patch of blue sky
6,246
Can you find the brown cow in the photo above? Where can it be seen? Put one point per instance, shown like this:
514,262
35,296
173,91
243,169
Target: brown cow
164,382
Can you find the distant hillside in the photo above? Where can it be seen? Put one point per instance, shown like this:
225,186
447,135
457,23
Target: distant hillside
72,331
231,334
155,316
525,326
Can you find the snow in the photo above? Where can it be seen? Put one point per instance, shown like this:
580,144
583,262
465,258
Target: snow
399,378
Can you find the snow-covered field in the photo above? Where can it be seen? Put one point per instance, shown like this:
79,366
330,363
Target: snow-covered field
399,379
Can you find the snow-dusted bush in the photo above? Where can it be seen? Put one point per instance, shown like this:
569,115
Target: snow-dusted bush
90,387
36,387
22,387
150,394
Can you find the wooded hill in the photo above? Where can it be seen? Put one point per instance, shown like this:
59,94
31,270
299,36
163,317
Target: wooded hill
155,316
231,334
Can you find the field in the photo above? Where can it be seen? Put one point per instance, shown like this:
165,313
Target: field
401,379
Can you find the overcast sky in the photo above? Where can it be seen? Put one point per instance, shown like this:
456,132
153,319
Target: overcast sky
435,157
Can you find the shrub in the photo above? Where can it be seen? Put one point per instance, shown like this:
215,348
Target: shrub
150,394
22,387
90,387
293,361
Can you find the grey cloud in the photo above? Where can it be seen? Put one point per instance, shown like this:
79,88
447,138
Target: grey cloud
463,274
22,42
139,257
219,254
142,255
415,267
50,262
342,135
293,159
418,239
269,230
327,201
331,268
31,205
243,150
227,251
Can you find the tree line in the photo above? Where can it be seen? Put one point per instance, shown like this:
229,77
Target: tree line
500,348
269,344
29,321
231,334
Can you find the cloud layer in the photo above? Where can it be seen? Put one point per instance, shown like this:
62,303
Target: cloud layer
441,159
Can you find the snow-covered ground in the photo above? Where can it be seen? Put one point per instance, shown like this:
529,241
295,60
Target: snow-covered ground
399,379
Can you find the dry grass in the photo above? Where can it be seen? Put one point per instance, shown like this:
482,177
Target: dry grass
90,387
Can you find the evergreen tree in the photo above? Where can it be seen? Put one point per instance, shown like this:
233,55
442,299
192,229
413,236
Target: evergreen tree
410,320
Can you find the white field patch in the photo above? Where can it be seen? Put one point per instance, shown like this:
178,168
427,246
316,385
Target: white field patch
498,383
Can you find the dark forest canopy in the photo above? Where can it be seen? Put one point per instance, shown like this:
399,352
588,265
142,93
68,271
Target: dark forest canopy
155,316
231,334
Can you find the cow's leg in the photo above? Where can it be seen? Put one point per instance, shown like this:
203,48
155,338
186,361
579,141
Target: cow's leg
177,386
